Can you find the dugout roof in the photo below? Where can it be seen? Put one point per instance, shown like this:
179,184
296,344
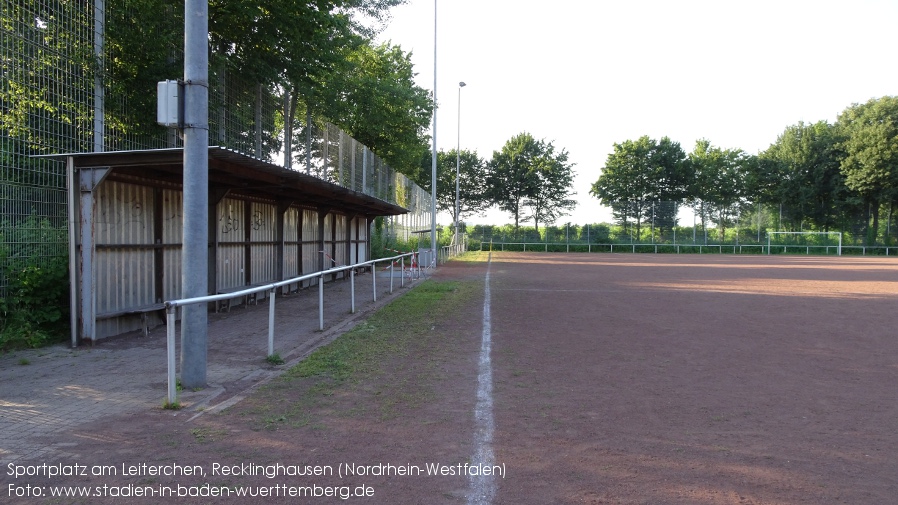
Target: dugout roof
231,170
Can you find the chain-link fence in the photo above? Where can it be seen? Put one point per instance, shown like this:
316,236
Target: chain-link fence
73,81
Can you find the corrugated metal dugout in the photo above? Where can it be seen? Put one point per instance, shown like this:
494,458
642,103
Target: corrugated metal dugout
266,223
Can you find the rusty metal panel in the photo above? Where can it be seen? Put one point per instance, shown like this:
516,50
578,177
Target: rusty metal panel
124,279
124,239
124,214
231,244
172,235
172,216
263,238
123,262
341,224
310,249
171,258
291,220
291,236
360,246
263,224
328,227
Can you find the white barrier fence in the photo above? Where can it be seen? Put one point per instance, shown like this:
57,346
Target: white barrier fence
691,248
172,306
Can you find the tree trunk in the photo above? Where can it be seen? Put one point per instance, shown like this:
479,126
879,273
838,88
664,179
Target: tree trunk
875,233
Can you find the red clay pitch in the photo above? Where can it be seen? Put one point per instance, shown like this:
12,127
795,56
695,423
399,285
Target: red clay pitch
695,379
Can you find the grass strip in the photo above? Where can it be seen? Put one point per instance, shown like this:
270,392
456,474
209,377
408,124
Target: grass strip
393,357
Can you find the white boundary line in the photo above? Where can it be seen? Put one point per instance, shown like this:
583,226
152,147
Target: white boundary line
483,487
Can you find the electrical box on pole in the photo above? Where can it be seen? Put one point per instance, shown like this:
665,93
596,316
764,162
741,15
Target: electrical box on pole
170,103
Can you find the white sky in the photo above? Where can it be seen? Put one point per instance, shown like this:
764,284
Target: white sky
586,74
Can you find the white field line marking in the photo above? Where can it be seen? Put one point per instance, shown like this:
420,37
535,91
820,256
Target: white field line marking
483,487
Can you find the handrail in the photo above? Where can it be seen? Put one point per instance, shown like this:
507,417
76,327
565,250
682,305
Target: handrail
171,306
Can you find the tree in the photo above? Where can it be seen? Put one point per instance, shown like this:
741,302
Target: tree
625,183
809,183
330,70
382,108
472,192
639,173
719,182
870,142
551,192
529,173
508,175
672,176
44,58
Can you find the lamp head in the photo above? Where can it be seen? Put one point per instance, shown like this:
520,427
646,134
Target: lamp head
461,85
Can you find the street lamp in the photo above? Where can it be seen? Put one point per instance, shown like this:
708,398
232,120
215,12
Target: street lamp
433,169
458,162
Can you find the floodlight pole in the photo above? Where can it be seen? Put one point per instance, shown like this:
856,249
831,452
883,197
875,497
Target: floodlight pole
458,162
195,254
433,174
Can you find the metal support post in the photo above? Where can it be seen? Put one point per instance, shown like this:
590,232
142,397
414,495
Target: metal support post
321,302
170,344
352,290
195,254
271,296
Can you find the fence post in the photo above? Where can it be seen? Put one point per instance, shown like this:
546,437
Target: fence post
402,272
352,290
374,281
391,276
321,302
271,295
170,343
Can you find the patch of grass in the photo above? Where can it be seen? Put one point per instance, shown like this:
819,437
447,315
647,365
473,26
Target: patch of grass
24,361
204,435
275,359
385,333
175,405
364,356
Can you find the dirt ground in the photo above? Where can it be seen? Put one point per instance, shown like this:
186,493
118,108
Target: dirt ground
616,379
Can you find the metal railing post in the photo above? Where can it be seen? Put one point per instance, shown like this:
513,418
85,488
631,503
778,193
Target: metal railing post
352,289
170,342
271,295
374,281
402,272
391,277
321,302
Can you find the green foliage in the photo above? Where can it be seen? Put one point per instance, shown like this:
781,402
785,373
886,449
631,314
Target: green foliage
389,331
815,177
641,172
379,104
803,165
869,139
34,308
530,173
48,57
472,194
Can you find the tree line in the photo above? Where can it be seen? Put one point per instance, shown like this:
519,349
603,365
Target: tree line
315,60
529,178
815,177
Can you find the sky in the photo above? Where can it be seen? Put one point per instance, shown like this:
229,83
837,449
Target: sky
586,74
